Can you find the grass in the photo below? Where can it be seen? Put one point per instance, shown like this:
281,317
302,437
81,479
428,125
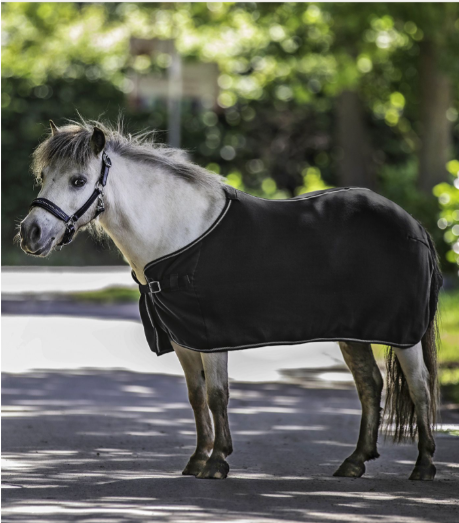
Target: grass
449,349
110,295
449,327
449,330
448,355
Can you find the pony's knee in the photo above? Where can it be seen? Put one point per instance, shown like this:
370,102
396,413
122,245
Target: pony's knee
197,397
217,398
361,362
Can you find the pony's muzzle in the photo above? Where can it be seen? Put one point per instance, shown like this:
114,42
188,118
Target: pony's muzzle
34,240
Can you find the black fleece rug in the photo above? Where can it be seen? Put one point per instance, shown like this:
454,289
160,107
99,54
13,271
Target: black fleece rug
339,264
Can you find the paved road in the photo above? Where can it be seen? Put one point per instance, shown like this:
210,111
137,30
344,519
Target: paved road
97,445
12,306
108,446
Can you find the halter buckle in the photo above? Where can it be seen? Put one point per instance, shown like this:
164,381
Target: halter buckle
68,234
107,160
100,203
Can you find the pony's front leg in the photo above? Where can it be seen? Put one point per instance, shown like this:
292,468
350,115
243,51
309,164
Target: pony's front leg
368,380
412,362
216,371
194,374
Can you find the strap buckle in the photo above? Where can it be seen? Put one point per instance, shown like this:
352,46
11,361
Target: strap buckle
154,286
100,203
106,159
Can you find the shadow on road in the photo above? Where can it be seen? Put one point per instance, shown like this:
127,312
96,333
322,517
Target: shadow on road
101,446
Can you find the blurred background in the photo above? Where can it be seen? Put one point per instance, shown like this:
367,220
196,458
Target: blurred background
280,99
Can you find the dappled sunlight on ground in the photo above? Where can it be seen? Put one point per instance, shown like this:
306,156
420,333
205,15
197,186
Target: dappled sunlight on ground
100,446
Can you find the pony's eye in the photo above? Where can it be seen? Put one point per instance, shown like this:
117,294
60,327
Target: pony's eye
78,182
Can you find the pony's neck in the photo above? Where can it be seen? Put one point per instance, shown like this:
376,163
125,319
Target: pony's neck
150,212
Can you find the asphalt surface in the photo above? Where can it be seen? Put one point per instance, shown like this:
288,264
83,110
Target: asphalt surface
96,445
99,446
68,307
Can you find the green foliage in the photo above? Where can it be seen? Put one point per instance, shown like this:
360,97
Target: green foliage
450,392
312,181
46,41
449,351
398,183
449,325
448,199
281,67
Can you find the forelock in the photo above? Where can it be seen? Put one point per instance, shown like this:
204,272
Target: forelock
70,144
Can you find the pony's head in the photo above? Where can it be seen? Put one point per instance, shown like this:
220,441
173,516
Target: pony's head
67,165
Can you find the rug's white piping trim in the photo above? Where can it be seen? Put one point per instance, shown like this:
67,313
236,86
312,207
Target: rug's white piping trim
183,249
297,199
152,322
254,345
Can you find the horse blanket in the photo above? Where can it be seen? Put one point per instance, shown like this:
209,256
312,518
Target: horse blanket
339,264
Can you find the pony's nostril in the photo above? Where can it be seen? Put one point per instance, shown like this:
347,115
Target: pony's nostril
35,232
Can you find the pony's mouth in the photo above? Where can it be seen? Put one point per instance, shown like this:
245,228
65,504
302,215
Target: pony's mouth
42,251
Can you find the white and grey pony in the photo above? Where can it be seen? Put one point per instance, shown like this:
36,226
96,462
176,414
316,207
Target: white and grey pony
156,202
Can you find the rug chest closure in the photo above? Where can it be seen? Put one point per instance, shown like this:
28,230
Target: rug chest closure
172,283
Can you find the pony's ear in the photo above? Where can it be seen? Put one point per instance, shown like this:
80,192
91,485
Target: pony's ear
54,129
97,141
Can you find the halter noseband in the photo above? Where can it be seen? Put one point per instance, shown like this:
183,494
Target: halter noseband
70,220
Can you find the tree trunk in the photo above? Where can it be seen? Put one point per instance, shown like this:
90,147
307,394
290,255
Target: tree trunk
174,102
355,164
435,130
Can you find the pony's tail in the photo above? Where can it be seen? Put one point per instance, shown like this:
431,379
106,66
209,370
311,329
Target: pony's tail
399,411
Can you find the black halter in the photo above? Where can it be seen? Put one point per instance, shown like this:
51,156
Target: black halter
70,220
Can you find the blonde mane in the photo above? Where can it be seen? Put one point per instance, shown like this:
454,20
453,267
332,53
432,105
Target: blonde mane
72,144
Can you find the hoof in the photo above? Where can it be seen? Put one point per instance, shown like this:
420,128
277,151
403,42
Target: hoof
423,473
194,467
214,469
350,469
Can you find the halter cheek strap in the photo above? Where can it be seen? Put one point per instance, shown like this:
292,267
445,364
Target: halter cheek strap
56,211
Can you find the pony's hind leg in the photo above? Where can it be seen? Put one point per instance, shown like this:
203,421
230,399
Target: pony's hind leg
368,380
195,379
417,376
216,370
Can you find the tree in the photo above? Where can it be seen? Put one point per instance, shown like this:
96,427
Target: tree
310,94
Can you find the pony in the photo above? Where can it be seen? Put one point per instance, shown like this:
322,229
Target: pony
152,201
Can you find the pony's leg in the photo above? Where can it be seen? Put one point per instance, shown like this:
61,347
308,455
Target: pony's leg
417,376
195,380
216,370
368,380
